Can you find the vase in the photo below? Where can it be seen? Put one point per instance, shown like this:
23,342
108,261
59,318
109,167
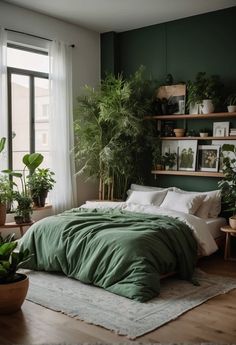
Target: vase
206,107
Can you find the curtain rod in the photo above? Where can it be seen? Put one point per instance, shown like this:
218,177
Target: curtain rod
42,38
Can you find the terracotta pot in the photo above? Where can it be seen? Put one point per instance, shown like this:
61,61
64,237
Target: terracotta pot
12,295
3,212
232,222
179,132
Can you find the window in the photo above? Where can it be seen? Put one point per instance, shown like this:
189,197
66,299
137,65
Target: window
28,103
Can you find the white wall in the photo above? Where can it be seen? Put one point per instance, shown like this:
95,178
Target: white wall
86,55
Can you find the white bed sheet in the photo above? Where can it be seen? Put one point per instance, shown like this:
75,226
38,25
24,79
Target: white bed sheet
206,242
214,225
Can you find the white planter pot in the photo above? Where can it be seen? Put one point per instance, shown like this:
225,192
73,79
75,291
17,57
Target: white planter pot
203,134
232,222
207,106
231,108
194,108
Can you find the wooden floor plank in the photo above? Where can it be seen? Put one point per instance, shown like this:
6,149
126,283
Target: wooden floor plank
213,321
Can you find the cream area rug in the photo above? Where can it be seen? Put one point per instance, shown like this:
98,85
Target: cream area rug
119,314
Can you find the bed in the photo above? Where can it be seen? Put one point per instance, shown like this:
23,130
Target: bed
125,247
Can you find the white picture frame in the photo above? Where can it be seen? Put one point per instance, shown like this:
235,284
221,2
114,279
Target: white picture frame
226,154
187,155
221,129
170,146
208,157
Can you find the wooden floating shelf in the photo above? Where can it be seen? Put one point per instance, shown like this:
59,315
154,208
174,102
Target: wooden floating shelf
188,173
190,116
232,137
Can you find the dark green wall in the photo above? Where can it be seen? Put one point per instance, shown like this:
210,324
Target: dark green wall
182,48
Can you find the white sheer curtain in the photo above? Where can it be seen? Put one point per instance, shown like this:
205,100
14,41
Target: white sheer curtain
3,94
61,126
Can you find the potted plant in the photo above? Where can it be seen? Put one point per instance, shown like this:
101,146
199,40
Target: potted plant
231,102
169,160
228,184
13,285
40,183
203,133
24,207
203,93
6,196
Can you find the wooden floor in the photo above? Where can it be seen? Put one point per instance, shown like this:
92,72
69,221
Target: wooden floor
213,321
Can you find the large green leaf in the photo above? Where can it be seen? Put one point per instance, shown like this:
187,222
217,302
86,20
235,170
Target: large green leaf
7,248
32,161
2,144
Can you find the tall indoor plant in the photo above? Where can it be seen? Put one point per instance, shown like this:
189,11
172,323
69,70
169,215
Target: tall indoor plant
228,183
109,131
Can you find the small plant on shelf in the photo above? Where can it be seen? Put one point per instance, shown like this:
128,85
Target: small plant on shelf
169,160
231,103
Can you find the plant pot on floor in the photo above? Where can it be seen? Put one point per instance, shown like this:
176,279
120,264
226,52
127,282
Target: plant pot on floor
12,295
39,201
3,212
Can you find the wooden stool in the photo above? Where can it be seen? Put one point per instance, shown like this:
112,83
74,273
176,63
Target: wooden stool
14,225
229,232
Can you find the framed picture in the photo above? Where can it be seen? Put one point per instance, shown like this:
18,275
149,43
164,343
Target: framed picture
220,129
208,157
220,143
175,96
187,155
170,146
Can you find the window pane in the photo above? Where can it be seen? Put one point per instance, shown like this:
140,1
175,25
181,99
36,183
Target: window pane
27,60
20,119
42,119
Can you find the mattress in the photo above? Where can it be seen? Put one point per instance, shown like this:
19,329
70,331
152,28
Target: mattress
214,225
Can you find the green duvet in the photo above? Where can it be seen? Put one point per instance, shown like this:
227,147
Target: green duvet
122,252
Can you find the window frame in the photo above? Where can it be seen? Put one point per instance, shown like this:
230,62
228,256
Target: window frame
32,75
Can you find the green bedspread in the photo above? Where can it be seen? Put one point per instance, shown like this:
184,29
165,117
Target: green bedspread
122,252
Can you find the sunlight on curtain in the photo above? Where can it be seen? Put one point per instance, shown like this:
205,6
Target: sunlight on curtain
61,126
3,94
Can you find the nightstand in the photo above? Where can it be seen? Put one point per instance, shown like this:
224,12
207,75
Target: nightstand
229,232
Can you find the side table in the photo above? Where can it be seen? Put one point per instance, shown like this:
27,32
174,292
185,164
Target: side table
229,232
14,225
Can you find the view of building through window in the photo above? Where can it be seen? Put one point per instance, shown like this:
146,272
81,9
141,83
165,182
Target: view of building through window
29,105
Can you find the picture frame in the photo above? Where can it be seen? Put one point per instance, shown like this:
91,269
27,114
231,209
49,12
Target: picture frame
208,157
220,143
175,96
170,146
221,129
187,155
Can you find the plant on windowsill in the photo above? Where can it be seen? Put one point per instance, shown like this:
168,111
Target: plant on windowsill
40,182
13,285
228,184
23,198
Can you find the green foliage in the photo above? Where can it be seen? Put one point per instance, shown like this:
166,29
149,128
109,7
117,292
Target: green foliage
2,144
204,87
231,100
6,193
228,184
169,159
40,181
110,129
24,205
10,260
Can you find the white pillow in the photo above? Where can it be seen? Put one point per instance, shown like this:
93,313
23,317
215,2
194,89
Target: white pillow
146,197
182,202
140,187
211,205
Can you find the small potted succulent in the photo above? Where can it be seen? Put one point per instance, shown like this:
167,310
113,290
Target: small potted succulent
40,183
231,103
13,285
